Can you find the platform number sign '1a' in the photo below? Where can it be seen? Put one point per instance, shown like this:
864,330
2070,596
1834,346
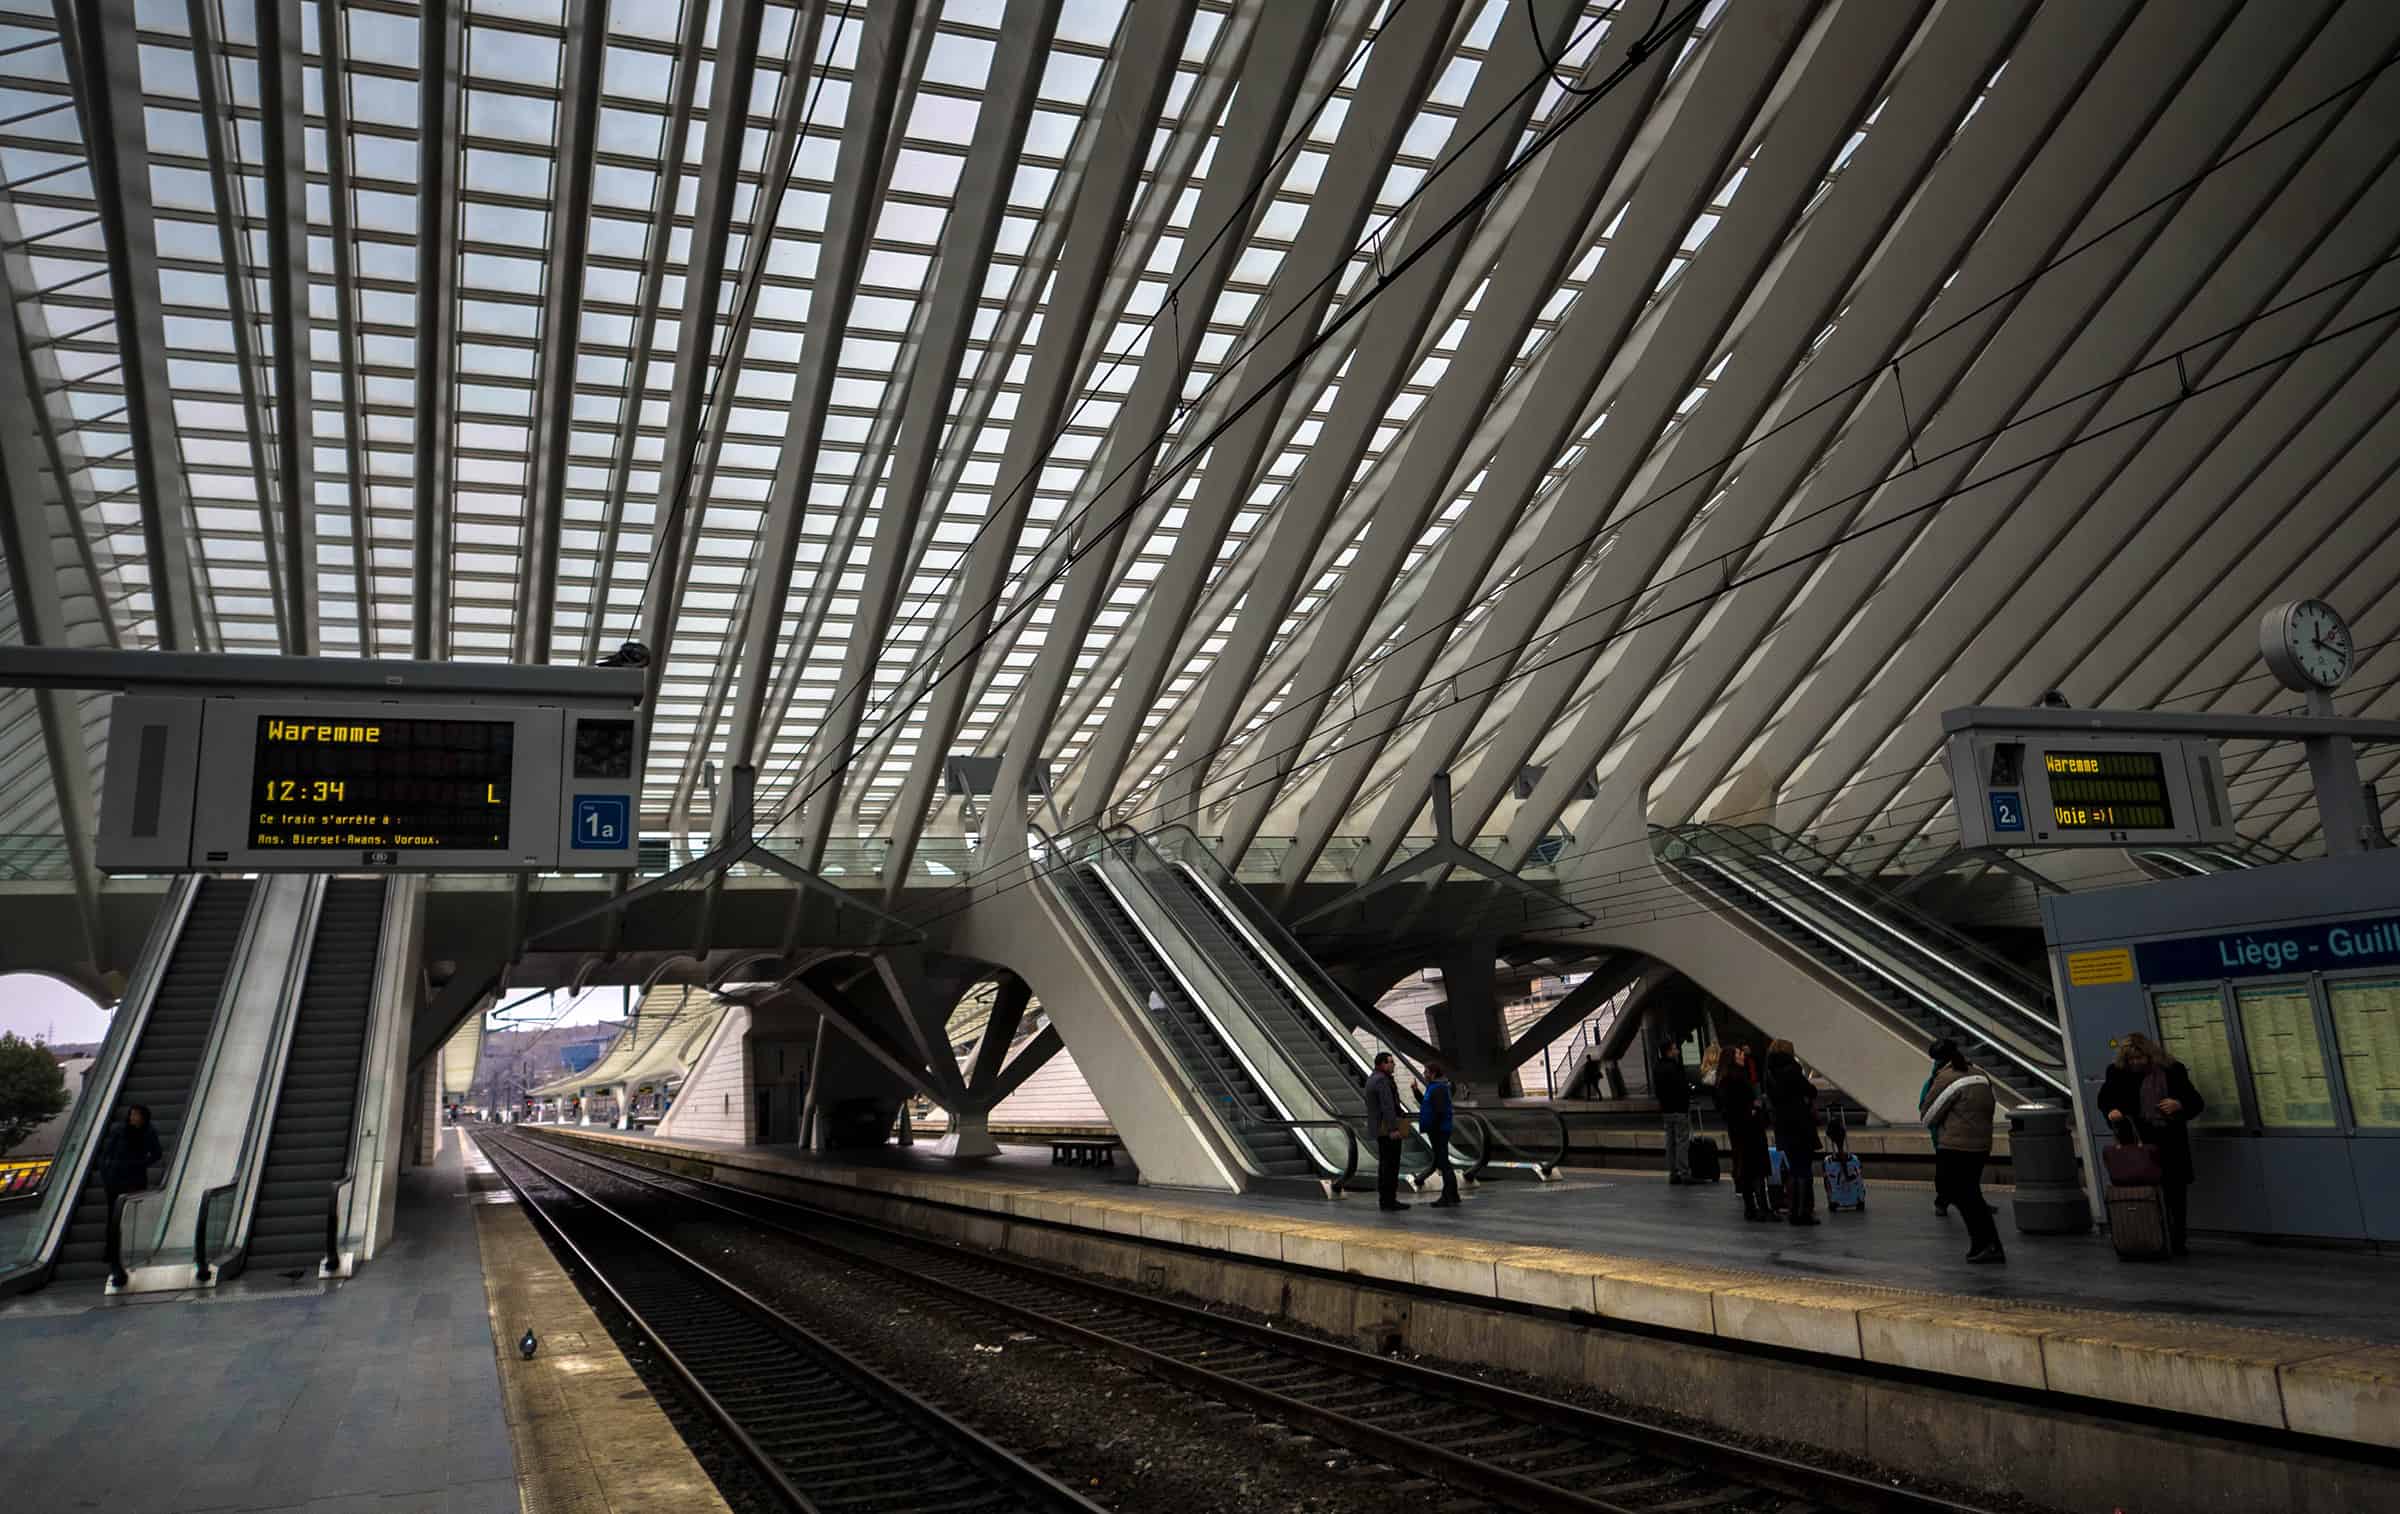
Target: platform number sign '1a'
603,822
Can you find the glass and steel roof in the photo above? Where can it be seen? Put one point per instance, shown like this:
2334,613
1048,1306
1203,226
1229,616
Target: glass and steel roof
1237,411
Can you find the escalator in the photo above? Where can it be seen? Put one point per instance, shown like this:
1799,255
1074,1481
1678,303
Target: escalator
173,1041
1209,1063
308,1145
1911,968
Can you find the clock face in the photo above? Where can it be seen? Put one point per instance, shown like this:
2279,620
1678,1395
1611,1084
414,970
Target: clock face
2318,643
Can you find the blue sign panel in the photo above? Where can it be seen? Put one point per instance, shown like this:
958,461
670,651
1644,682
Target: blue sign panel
2321,948
603,822
2008,811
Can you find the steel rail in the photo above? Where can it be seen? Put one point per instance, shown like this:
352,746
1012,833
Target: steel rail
1007,1471
1395,1379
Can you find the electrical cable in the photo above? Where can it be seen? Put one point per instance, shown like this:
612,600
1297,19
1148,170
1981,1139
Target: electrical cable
1662,495
1084,545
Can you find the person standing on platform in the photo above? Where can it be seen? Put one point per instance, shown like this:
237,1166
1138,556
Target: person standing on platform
2154,1093
1391,1128
1437,1117
1958,1110
128,1150
1794,1100
1745,1130
1674,1089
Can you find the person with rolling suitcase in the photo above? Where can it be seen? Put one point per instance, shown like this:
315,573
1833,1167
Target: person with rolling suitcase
2150,1102
1674,1090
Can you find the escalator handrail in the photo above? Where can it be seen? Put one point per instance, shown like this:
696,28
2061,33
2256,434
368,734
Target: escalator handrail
269,1098
1337,1034
70,1163
1331,1099
1234,1115
1900,916
338,1194
1491,1133
1889,928
1288,949
1192,1059
1979,1034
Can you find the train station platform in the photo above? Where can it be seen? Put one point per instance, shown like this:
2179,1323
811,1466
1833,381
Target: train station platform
2278,1341
388,1391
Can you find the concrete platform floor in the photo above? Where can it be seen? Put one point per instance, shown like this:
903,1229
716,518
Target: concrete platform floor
1896,1242
380,1393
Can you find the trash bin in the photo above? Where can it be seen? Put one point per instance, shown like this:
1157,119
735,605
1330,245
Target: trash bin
2041,1149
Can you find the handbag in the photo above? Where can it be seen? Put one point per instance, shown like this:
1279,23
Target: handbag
2132,1164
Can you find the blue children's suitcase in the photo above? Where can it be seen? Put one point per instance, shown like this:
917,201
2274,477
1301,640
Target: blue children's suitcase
1844,1188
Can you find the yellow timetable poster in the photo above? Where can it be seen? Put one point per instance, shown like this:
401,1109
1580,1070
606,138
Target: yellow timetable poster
2191,1025
2287,1064
2366,1027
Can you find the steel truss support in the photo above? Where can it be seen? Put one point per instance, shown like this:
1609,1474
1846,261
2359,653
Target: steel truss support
440,65
1275,71
1153,38
1444,853
973,229
284,135
108,94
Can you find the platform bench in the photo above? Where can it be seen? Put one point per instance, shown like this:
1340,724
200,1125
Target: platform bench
1084,1151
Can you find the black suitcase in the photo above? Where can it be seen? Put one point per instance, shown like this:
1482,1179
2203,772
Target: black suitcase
1701,1157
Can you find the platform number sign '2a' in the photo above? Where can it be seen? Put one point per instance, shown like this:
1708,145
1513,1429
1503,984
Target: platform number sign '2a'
2008,811
603,822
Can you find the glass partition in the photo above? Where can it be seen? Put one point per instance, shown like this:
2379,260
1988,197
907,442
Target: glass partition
2191,1025
2366,1031
2287,1059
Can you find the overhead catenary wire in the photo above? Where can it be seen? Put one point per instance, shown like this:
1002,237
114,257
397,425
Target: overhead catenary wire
1086,543
1660,496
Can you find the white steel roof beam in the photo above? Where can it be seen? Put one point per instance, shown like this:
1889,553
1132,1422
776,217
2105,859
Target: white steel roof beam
1371,132
107,69
851,209
738,30
969,236
284,136
1281,58
1841,71
1580,170
1148,47
2102,324
1970,381
2049,69
1745,57
2124,526
349,353
441,63
1508,85
562,320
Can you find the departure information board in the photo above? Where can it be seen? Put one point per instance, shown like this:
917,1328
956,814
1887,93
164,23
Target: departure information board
2109,791
398,785
2031,787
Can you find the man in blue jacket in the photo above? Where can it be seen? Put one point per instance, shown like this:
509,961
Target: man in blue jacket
1435,1117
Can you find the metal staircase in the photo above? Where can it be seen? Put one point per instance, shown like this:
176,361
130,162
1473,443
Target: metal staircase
174,1039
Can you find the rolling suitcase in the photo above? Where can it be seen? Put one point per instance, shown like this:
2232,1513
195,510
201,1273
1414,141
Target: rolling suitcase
1701,1156
1845,1188
2137,1224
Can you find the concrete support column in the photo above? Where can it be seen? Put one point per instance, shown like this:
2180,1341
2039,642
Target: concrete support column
1469,1025
624,1092
970,1135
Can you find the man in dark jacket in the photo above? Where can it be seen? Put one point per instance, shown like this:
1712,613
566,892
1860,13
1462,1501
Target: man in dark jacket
1674,1089
1389,1127
1793,1098
128,1150
1436,1118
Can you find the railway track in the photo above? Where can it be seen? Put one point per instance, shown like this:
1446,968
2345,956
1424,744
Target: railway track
1507,1449
826,1432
